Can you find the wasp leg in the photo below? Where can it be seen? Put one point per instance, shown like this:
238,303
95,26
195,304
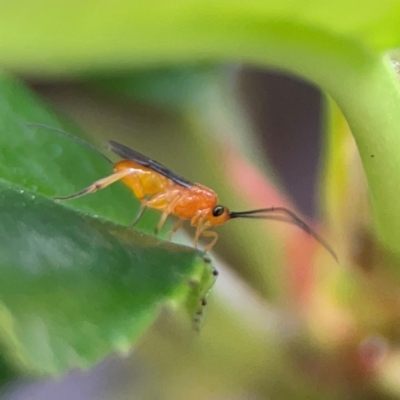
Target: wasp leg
139,215
175,228
199,229
213,235
165,214
161,223
98,185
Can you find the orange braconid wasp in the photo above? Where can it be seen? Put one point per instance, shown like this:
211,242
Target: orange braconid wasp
158,187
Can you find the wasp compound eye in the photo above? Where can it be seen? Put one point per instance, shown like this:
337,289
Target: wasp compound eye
218,211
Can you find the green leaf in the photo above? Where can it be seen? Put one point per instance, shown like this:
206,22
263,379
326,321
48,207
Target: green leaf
76,286
51,164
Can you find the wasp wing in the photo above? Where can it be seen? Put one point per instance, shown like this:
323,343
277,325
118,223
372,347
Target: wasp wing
130,154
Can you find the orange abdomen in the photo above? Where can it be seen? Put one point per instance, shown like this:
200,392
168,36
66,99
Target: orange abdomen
143,181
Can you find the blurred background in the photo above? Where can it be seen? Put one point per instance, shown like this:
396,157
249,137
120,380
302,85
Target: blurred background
272,328
285,320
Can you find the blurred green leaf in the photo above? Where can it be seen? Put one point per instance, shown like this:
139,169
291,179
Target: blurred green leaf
75,287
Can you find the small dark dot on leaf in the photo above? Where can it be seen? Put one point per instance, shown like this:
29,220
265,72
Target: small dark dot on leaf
372,155
203,302
215,272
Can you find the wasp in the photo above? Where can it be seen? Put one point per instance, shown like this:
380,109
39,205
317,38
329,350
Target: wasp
159,188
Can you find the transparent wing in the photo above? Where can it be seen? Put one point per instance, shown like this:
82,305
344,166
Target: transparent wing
130,154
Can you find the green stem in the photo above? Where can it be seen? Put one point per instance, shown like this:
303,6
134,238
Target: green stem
371,108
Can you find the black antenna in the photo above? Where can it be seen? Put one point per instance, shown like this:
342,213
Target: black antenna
294,220
68,135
